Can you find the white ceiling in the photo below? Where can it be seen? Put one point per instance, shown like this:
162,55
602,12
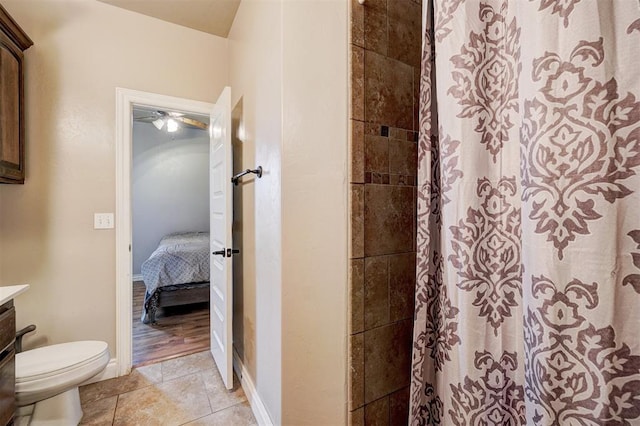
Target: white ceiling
211,16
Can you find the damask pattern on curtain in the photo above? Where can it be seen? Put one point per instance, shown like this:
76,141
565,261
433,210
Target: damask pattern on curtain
528,294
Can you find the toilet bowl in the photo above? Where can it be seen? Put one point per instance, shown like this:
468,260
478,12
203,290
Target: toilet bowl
48,377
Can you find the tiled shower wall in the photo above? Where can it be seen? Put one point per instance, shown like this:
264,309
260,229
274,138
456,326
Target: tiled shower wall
385,71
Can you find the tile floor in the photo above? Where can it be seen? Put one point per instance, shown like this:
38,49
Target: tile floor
180,391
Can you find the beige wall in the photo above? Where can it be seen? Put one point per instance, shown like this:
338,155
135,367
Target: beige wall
256,84
314,212
288,64
83,50
289,67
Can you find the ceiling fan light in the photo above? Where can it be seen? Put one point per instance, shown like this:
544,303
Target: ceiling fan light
172,125
159,123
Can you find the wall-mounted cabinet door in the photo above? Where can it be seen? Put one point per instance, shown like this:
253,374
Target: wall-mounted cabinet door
13,41
11,136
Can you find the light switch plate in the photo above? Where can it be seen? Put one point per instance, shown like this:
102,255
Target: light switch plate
103,221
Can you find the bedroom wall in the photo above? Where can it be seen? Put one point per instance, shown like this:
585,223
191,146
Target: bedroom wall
288,72
83,50
169,186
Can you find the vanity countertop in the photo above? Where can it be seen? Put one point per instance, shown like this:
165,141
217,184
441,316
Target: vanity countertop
9,292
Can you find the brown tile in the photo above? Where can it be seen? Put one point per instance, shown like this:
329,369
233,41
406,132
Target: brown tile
375,28
395,133
416,99
357,220
388,91
405,10
403,157
238,415
174,402
399,407
357,83
357,23
376,291
139,378
402,280
357,151
403,180
356,295
356,371
380,5
372,129
376,154
377,178
405,42
356,418
377,413
389,219
99,412
387,359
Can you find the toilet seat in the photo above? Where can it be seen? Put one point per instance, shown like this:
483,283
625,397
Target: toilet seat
47,371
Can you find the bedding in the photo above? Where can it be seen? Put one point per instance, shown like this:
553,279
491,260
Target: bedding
180,259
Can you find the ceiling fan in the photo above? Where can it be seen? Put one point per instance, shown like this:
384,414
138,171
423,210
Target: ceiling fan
170,119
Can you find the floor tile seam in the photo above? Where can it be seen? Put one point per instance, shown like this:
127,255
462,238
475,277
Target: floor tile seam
204,386
184,375
209,392
132,390
231,406
197,418
115,410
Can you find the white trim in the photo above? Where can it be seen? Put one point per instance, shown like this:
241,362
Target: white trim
110,372
257,406
125,99
136,277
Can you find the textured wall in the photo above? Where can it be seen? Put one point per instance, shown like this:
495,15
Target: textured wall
314,212
82,51
255,66
289,78
169,186
385,72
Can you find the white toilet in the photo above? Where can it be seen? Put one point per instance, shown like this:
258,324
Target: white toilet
48,377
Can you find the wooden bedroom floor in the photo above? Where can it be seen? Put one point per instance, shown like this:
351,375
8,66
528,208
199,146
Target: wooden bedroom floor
179,331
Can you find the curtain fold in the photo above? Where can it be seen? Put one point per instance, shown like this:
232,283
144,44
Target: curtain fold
528,269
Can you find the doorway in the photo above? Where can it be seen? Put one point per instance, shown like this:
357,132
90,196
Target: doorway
126,102
170,233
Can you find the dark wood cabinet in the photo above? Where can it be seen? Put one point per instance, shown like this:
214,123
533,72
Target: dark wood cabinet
13,42
7,362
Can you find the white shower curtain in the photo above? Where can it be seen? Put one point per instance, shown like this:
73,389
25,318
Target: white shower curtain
528,293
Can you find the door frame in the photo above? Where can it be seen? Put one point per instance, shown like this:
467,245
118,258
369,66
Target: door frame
125,101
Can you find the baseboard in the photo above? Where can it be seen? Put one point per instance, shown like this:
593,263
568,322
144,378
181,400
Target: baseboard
137,277
110,372
258,408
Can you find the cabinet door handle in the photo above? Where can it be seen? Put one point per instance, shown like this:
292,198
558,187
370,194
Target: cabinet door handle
220,253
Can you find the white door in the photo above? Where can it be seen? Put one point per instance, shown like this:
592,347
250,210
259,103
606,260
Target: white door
220,205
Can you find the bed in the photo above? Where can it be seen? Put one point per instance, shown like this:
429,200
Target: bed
176,273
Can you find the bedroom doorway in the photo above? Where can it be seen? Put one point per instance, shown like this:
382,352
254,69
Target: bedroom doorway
170,234
139,114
